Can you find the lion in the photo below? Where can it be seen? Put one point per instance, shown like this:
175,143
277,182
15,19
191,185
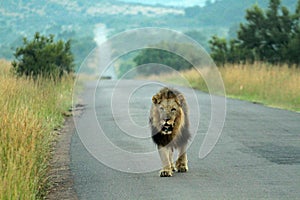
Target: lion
170,129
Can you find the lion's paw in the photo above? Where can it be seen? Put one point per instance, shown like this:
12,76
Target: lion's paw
181,167
165,173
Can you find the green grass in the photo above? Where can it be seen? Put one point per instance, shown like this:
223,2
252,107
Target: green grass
30,111
275,86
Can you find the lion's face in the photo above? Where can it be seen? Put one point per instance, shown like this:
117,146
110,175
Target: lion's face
169,112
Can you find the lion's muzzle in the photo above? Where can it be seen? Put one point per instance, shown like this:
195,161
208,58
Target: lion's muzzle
167,128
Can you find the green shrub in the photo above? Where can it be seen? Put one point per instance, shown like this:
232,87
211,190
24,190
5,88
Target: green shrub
43,57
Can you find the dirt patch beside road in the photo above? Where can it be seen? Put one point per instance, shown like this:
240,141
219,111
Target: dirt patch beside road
61,179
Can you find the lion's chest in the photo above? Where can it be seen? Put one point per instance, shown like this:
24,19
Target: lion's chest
162,139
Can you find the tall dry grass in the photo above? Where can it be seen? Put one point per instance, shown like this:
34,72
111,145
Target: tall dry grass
277,86
29,113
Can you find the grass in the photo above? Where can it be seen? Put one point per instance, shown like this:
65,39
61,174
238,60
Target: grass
275,86
30,111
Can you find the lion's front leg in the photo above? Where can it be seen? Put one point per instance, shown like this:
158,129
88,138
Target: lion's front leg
181,163
165,154
171,151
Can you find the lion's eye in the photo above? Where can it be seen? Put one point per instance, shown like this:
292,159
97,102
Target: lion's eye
173,109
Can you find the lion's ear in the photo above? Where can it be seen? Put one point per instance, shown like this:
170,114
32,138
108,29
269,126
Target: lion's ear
180,99
156,99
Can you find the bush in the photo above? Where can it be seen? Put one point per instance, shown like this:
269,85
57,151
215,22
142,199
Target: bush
43,57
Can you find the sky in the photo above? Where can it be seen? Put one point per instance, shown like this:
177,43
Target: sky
182,3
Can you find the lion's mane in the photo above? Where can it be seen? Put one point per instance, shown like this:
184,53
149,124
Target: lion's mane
180,131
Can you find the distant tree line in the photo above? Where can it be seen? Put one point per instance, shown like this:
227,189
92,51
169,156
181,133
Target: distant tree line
160,55
271,35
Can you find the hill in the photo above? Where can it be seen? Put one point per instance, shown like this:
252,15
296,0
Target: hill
229,12
79,19
70,19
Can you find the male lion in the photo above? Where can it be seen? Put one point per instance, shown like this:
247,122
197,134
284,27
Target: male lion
169,125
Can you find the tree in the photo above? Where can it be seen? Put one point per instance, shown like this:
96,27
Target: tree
268,32
219,50
251,34
271,35
293,48
43,57
223,52
179,56
160,56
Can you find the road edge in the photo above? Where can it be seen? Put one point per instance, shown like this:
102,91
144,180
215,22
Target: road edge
60,176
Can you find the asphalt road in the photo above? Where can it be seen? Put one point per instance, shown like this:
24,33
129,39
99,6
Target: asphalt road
256,157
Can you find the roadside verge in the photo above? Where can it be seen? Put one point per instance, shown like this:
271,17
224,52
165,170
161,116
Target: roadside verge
60,176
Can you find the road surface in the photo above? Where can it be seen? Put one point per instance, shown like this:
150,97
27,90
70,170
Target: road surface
256,157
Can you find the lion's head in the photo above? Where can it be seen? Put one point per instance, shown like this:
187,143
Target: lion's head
167,111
